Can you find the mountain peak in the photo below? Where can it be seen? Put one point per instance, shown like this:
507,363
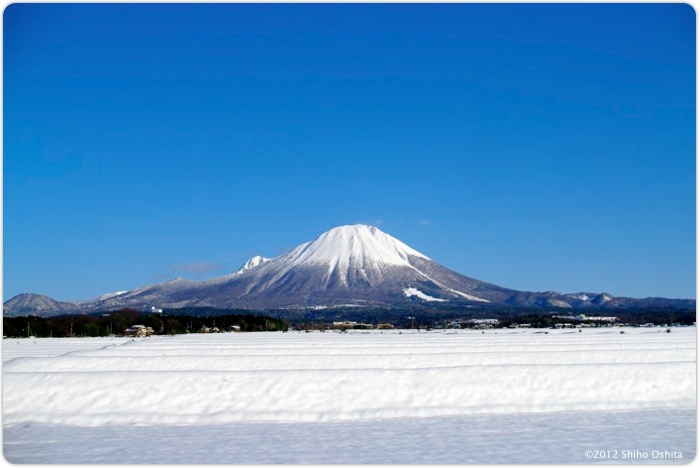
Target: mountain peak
354,244
250,264
36,304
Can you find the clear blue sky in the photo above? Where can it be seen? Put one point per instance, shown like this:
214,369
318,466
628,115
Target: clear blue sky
537,147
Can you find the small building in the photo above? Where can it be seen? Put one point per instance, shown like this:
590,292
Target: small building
138,330
483,323
582,317
344,324
364,326
233,328
385,326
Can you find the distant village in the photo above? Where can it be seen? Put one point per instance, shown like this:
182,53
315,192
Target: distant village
561,321
564,321
579,321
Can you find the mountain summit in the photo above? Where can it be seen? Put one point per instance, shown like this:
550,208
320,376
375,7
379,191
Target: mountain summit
349,247
355,265
348,265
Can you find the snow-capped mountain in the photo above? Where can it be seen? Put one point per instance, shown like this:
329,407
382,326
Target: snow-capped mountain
250,264
349,265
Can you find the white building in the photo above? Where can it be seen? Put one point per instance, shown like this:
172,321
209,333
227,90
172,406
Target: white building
138,330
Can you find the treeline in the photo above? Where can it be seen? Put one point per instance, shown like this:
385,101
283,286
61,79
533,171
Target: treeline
632,317
425,317
114,323
176,321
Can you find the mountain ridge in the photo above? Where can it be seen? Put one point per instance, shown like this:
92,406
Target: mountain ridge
352,265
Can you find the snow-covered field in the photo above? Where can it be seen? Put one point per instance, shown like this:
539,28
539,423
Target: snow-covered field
501,396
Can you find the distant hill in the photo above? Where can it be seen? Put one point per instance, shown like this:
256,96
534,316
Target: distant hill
37,304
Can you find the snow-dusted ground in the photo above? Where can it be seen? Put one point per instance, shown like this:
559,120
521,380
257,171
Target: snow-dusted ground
42,347
365,397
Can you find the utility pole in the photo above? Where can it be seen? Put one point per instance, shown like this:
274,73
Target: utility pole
411,318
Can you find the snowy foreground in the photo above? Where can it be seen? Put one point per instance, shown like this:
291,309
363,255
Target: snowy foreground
502,396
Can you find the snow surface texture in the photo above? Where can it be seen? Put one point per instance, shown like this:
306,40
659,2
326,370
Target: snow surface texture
353,398
42,347
511,438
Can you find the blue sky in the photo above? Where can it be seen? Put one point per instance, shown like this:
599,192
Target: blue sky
537,147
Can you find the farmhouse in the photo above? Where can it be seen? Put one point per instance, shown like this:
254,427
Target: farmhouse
138,330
